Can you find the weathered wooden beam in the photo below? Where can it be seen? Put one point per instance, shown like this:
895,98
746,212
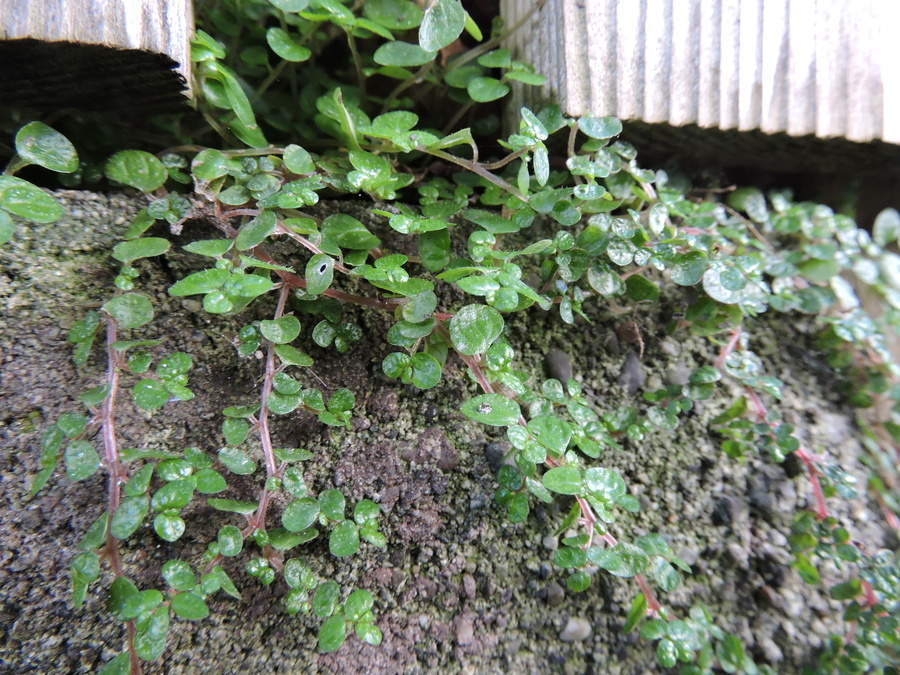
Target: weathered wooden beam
821,69
124,55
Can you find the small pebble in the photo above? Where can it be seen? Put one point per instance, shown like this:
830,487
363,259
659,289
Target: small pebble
576,630
465,630
555,594
559,366
632,375
469,586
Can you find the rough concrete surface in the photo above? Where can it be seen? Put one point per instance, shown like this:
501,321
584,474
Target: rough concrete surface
458,588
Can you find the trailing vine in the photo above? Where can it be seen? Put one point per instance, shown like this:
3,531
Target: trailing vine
621,235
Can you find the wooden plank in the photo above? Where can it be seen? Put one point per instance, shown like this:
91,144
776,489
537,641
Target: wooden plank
800,67
603,72
887,44
750,64
95,54
775,55
684,82
831,69
629,36
864,76
708,64
658,50
729,65
801,85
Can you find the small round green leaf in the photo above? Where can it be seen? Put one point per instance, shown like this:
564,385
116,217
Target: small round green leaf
280,331
300,514
175,494
442,23
6,227
622,560
485,89
688,269
130,310
189,606
179,575
369,633
579,581
254,232
233,506
204,281
886,229
393,14
23,199
128,516
667,653
87,566
230,541
150,640
332,504
71,424
285,45
210,164
128,251
40,144
564,480
403,54
420,307
395,364
344,539
332,633
210,481
474,328
150,395
237,461
168,525
82,460
359,602
640,288
365,510
551,432
292,356
319,273
326,599
495,410
235,195
138,169
426,371
604,483
293,482
600,127
235,430
298,160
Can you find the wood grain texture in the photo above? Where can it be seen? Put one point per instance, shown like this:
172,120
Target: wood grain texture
802,67
95,54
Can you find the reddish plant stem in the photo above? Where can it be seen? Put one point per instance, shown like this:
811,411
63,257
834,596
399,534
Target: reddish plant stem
114,470
869,592
821,509
728,348
588,518
587,513
295,281
475,168
259,520
636,270
889,515
475,367
306,243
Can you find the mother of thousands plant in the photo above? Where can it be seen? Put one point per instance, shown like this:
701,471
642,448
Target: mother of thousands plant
373,124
